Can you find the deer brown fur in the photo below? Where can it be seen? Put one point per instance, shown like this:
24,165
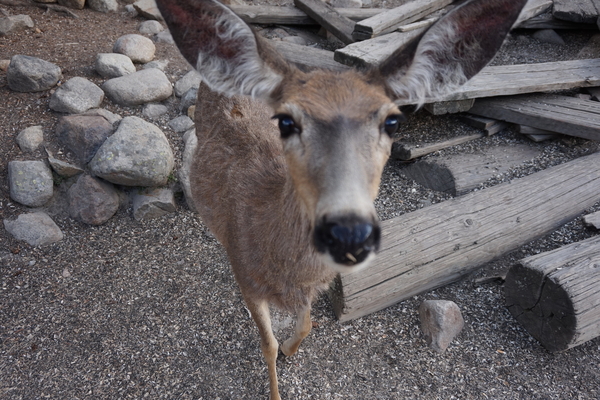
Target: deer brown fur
292,201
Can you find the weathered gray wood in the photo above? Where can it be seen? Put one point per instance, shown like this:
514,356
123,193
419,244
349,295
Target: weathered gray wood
585,11
372,52
449,107
392,19
489,125
592,220
556,295
507,80
532,9
439,244
461,173
294,16
549,22
405,152
338,25
535,134
562,114
425,23
307,58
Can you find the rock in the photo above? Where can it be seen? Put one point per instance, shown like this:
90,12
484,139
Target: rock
15,23
63,168
137,47
151,27
145,86
190,80
104,6
188,99
93,201
83,134
31,74
181,124
30,139
76,4
112,118
164,37
148,9
158,64
4,65
30,182
191,143
153,203
441,321
36,228
191,112
548,36
137,154
77,95
591,49
113,65
154,111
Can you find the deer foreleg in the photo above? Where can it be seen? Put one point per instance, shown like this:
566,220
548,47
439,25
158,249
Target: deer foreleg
303,327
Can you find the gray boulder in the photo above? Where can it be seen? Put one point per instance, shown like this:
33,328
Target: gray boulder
113,65
164,37
188,99
145,86
76,4
107,115
148,9
190,80
92,201
83,134
30,182
137,47
137,154
104,6
154,111
31,74
181,124
151,27
37,229
158,64
153,203
77,95
15,23
441,321
30,139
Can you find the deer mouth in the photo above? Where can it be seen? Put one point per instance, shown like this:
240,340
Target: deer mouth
348,243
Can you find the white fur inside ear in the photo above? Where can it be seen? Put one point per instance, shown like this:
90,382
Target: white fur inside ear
245,73
435,70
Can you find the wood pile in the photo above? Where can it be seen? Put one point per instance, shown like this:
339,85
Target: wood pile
440,244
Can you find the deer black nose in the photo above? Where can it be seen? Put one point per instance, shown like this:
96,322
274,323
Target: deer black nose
349,240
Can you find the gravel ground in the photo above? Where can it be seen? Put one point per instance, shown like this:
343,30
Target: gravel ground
150,309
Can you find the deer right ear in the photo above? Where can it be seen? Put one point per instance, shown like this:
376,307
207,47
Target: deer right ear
223,48
452,51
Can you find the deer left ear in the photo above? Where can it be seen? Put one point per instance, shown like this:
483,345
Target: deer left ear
452,51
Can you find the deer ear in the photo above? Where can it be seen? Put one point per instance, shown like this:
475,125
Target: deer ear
452,51
223,48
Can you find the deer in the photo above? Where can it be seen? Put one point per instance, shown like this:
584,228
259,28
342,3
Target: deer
288,162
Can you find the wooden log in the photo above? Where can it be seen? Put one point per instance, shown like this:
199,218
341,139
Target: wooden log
293,16
489,125
338,25
535,134
505,80
307,58
549,22
582,11
449,107
390,21
439,244
556,295
459,174
405,152
562,114
592,220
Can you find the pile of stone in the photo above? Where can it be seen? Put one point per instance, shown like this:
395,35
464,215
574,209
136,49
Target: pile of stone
113,154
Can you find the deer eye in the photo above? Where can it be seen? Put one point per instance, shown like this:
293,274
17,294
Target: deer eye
392,123
287,126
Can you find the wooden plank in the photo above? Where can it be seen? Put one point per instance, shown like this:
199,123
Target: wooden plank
293,16
439,244
389,21
507,80
338,25
549,22
307,58
562,114
592,220
533,8
582,11
406,152
449,107
556,295
370,53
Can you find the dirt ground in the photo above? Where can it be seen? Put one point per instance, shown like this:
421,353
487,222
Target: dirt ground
132,310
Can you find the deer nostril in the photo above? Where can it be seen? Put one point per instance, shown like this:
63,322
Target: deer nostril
349,241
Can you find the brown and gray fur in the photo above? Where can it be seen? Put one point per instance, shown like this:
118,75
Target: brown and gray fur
294,206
